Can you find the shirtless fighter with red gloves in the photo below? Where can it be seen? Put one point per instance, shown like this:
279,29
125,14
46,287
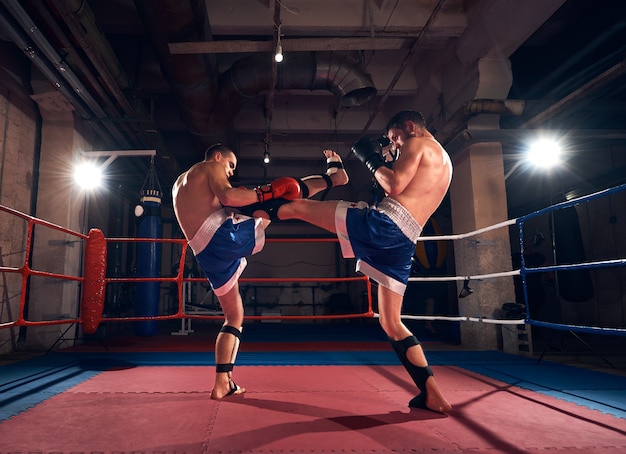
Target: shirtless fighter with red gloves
210,213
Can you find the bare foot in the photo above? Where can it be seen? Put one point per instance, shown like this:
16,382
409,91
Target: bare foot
434,399
228,389
340,176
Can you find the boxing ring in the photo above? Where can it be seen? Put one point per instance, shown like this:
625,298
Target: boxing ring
524,270
315,395
94,280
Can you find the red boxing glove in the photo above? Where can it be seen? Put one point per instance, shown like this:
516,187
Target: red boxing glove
281,188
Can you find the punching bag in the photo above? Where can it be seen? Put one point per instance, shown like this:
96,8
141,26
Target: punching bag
147,296
431,254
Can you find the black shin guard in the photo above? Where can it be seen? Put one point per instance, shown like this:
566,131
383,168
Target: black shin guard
323,176
418,374
270,207
304,189
228,367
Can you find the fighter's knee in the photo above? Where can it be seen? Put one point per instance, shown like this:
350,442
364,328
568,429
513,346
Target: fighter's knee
292,209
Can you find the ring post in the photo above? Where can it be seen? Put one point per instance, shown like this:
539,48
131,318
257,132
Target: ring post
94,286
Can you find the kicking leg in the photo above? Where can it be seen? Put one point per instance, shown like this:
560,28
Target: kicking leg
319,213
335,176
410,353
311,185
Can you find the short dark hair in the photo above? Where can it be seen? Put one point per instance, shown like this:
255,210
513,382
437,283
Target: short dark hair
398,120
217,148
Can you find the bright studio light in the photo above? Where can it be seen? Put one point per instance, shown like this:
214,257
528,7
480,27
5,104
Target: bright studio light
88,175
545,154
279,53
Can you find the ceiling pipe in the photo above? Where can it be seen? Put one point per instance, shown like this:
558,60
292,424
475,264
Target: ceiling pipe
81,21
18,36
337,73
454,134
209,101
458,121
37,47
414,47
125,136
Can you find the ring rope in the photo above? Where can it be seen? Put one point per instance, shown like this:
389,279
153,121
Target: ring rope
460,236
460,318
179,279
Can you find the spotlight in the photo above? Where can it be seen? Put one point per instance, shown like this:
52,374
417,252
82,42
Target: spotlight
545,153
88,175
279,52
266,157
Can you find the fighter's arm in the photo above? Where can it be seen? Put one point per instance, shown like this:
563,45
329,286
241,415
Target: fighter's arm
225,192
394,180
283,187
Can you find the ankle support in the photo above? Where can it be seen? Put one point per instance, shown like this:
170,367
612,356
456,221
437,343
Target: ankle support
418,374
333,164
228,367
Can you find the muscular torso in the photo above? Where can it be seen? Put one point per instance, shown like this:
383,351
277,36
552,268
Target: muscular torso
193,198
424,170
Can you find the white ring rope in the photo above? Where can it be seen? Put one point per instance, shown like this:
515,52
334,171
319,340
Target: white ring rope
460,236
465,278
519,221
476,277
459,318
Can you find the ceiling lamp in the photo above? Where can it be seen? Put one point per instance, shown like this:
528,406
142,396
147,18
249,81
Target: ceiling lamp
278,56
279,52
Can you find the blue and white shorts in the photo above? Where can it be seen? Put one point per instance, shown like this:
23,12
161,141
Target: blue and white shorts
381,237
221,245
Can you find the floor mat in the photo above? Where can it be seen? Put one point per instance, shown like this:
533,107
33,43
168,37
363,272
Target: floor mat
302,409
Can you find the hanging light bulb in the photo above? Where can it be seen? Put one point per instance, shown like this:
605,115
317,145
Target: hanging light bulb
279,52
266,157
278,56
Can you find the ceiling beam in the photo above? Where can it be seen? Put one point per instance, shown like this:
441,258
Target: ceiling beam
289,45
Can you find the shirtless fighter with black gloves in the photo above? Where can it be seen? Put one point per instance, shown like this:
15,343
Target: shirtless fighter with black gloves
383,237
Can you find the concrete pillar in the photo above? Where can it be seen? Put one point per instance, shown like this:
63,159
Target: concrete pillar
58,201
478,199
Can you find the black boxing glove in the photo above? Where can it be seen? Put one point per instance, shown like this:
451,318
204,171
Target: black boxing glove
369,153
383,141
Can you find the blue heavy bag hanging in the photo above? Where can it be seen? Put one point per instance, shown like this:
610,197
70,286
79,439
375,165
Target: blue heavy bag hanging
147,296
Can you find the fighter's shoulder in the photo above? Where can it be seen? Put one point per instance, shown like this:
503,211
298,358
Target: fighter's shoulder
419,144
427,142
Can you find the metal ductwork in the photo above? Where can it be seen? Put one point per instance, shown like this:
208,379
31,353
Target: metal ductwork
337,73
250,76
208,101
457,122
